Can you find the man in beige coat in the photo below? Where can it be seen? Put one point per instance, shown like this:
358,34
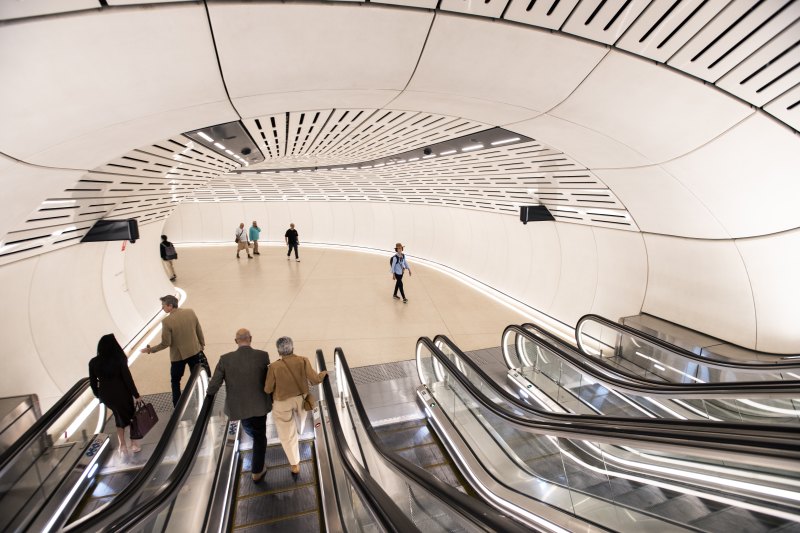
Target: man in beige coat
182,334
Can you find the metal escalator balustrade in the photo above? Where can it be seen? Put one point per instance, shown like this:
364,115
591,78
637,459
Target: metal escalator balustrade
646,487
576,382
431,503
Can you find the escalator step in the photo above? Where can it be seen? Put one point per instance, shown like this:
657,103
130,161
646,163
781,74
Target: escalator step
423,456
683,509
612,488
271,507
738,519
275,455
413,423
406,437
277,479
643,497
297,524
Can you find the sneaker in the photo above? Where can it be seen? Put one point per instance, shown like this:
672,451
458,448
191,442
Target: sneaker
405,300
256,253
249,256
173,278
258,477
396,297
297,260
237,256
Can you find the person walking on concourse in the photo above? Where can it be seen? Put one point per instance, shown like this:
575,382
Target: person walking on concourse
241,241
244,372
182,334
112,383
292,240
255,231
399,265
287,381
168,255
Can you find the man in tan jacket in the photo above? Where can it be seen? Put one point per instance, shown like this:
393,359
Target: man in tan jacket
182,334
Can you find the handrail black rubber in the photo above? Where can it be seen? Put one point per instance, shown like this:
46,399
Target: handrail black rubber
474,509
384,508
752,365
775,442
45,421
643,385
100,521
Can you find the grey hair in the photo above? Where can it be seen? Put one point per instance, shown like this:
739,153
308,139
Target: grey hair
285,346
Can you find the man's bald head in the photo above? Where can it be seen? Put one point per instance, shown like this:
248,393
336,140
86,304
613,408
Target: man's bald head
243,337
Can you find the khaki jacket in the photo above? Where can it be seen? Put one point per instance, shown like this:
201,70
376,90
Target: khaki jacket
280,382
182,334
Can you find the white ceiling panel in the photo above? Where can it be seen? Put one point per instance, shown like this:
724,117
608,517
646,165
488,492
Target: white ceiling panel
787,107
588,147
485,111
138,2
650,109
275,48
666,25
738,31
549,14
467,56
424,4
603,20
14,9
661,204
747,178
65,85
482,8
267,104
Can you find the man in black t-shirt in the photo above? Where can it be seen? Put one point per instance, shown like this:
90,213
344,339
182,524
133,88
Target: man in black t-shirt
292,241
168,255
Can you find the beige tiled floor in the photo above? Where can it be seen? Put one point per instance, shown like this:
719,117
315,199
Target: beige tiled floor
331,298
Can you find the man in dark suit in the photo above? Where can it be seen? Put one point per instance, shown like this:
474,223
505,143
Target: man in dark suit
244,373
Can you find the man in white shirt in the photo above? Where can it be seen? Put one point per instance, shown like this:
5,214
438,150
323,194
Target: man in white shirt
242,242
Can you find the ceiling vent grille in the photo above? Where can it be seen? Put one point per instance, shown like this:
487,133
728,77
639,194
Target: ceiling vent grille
145,184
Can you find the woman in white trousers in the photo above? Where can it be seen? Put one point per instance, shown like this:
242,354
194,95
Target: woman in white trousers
287,381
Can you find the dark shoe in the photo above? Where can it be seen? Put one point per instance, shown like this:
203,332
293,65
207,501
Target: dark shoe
256,253
405,300
173,278
249,256
295,471
396,297
237,256
258,477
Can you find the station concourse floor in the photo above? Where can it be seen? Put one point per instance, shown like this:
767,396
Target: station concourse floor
332,297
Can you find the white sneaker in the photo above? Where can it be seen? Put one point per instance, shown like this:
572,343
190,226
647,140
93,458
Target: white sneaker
298,260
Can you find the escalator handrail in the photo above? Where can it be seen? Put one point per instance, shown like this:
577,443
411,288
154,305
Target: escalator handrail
688,428
661,343
383,507
641,385
474,509
105,516
781,447
43,423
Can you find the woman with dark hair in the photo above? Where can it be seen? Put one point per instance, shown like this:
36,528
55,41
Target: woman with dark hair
112,383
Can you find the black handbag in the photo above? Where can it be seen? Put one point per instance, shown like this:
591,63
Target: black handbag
143,420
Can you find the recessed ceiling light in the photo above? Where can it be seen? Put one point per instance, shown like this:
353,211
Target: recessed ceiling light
472,147
204,136
448,152
428,156
505,141
218,145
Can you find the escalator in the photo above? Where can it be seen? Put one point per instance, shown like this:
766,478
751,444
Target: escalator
562,378
656,478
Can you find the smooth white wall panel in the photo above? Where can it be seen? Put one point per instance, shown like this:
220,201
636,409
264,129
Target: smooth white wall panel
279,218
365,230
587,146
748,178
479,110
23,369
773,263
467,56
111,80
444,244
146,278
702,285
336,46
540,292
621,273
321,222
578,278
114,282
649,108
660,203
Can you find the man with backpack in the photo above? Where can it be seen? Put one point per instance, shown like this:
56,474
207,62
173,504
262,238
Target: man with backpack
168,255
399,265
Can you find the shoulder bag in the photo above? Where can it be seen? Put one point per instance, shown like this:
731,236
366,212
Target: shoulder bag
143,420
308,400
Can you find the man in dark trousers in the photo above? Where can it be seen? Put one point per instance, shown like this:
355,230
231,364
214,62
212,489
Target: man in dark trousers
292,240
182,334
245,373
168,255
399,265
